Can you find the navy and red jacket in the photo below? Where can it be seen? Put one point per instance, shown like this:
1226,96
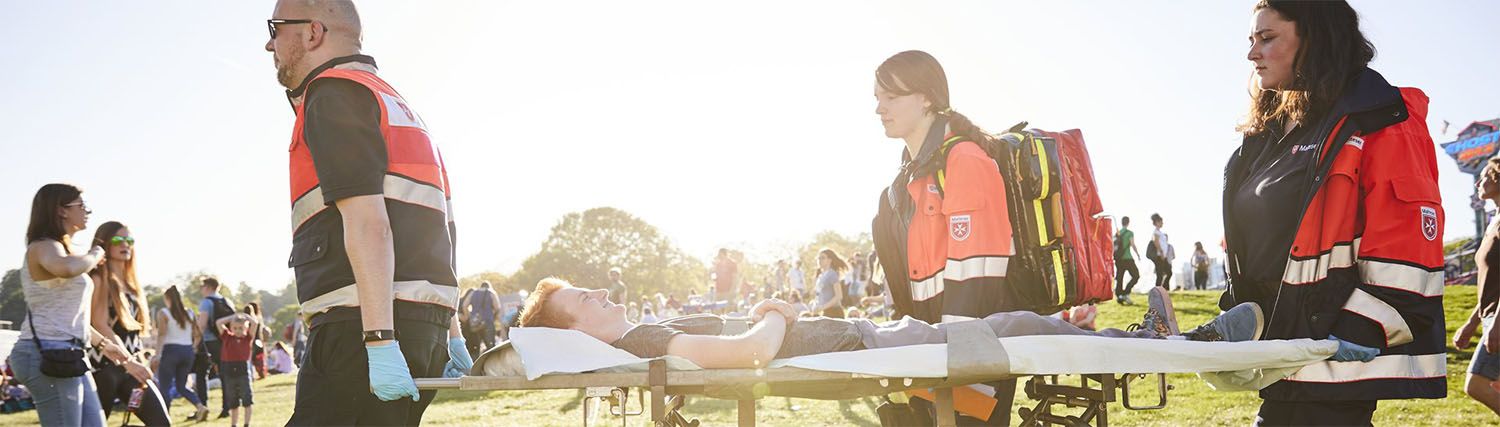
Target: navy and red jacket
1366,261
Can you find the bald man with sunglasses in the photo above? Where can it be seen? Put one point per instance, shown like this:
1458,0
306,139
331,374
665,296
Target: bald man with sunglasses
372,239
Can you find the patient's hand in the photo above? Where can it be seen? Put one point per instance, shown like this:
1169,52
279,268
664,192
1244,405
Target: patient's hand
759,311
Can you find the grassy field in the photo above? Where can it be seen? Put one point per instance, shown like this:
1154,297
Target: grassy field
1190,403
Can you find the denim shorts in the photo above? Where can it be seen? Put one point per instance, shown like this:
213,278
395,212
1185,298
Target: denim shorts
1485,363
234,378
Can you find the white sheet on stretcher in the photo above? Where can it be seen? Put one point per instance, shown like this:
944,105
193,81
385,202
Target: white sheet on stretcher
546,350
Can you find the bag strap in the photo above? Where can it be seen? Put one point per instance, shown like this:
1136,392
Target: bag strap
948,145
32,323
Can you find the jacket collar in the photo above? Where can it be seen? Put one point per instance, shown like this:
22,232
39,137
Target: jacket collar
1371,103
930,147
355,61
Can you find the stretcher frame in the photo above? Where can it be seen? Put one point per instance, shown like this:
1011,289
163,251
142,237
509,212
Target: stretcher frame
669,389
611,392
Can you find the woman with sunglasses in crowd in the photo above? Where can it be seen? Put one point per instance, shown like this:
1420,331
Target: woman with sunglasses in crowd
58,291
120,314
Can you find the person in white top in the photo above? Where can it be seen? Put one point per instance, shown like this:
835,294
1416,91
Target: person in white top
795,279
57,289
1163,260
177,336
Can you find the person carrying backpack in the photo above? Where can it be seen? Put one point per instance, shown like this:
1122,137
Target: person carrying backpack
945,245
1160,253
215,307
483,306
1125,254
1200,267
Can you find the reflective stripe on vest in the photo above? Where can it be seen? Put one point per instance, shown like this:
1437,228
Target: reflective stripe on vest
414,175
420,291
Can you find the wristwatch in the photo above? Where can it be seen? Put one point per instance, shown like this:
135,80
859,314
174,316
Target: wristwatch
380,335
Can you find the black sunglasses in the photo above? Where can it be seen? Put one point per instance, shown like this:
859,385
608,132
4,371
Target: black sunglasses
272,23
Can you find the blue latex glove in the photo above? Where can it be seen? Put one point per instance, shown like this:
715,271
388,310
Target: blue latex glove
390,379
459,361
1351,352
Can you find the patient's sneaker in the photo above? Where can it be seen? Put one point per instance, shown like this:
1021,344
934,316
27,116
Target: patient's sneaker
1159,316
1244,322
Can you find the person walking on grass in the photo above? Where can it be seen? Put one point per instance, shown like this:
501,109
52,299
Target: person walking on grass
1125,254
372,230
1333,218
176,337
1160,253
1200,266
1484,367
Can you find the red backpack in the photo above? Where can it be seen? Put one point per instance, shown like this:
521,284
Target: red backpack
1064,244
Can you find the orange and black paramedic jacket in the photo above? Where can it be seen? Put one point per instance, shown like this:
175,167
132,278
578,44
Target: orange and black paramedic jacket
948,250
356,136
1365,261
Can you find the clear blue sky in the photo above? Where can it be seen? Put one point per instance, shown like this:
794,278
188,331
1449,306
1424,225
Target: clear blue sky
748,124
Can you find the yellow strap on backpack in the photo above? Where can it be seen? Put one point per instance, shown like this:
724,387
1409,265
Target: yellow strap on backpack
947,145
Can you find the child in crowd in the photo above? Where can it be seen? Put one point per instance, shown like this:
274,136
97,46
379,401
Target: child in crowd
237,335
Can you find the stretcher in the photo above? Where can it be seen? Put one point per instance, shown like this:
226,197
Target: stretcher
1107,367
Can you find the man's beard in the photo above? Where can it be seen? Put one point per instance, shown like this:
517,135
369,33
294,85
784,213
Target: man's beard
284,69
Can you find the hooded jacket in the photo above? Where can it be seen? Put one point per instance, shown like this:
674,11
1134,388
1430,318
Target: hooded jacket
1366,261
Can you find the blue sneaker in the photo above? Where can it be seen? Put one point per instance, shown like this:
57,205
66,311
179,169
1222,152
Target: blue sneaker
1159,318
1244,322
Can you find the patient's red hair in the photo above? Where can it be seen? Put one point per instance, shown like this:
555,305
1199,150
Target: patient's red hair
536,312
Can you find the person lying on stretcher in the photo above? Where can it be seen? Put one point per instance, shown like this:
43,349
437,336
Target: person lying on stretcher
778,333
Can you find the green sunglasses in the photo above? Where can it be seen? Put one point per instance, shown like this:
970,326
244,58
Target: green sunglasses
126,240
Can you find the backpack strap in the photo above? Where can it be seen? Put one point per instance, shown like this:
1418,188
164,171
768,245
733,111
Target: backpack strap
948,145
942,178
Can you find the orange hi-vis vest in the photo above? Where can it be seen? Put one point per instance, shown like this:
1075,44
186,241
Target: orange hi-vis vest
414,175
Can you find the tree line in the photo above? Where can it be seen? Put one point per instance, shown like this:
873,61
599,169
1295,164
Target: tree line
581,248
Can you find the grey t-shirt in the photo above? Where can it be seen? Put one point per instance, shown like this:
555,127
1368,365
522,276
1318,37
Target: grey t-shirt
808,335
826,282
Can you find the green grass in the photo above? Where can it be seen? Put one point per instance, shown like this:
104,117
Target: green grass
1191,402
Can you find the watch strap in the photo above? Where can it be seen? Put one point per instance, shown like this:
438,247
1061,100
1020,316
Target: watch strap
379,335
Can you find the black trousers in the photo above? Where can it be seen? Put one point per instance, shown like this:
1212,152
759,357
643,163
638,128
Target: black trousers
113,383
1163,273
333,387
200,387
1200,279
1316,413
488,329
1121,267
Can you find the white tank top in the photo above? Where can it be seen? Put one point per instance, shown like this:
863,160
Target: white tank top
59,306
174,333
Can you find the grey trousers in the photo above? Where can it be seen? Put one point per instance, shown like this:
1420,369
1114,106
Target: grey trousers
909,331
